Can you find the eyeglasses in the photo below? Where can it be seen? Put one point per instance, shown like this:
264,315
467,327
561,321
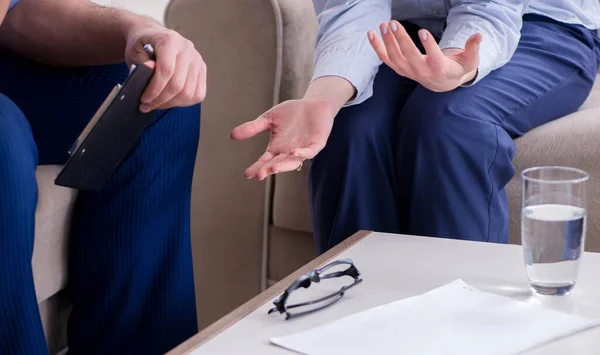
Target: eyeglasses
316,276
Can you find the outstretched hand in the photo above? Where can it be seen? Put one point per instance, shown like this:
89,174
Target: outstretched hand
437,70
299,130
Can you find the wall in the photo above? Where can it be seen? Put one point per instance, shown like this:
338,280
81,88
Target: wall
152,8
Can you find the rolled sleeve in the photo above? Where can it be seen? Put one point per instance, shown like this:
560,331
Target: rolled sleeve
491,55
500,24
355,69
343,49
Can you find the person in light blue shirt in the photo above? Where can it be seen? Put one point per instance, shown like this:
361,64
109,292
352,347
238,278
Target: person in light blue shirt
130,277
414,105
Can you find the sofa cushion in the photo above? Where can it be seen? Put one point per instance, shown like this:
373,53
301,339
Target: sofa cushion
52,220
291,208
593,99
299,29
569,141
288,250
291,201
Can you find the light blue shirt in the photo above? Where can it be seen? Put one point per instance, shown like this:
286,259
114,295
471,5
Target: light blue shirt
343,48
12,3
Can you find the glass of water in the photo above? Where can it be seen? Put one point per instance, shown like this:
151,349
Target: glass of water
553,223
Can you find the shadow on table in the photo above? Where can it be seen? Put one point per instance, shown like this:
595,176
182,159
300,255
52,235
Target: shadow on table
567,303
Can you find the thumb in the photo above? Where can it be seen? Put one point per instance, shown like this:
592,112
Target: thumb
250,129
471,54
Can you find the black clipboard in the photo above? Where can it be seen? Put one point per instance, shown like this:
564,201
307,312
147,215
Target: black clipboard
109,136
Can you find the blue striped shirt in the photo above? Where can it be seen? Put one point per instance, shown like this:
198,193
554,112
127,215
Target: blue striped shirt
343,48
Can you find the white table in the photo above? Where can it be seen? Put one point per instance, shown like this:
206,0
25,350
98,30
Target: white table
398,266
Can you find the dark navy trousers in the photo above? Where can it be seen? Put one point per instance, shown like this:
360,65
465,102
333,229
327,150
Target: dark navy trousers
409,160
130,269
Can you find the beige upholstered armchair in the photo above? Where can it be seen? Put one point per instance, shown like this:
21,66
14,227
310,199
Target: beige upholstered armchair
248,234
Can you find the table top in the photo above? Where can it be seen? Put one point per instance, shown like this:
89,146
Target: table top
394,267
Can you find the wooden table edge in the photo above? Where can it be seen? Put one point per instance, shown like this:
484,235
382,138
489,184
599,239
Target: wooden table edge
242,311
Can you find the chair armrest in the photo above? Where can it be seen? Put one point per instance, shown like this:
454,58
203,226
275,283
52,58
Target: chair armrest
240,43
299,23
568,141
290,206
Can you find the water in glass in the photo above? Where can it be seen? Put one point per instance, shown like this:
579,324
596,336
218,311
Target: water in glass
553,242
553,223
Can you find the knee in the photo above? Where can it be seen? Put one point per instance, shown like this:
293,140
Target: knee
183,123
358,129
111,73
175,131
429,116
18,152
454,135
446,122
16,138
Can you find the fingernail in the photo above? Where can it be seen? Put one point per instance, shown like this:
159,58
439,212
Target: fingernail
394,27
423,35
371,37
384,29
145,108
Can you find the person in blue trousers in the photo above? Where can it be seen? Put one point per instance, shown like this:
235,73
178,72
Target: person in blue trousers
130,274
414,105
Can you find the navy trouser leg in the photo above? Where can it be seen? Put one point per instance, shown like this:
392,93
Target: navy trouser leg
20,326
131,264
452,152
352,180
455,149
352,183
130,274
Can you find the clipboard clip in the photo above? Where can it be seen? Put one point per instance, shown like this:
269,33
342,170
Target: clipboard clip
150,51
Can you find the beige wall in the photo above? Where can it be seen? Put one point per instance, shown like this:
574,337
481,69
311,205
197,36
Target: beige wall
152,8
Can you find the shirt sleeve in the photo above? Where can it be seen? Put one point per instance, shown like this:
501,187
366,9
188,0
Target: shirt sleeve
12,4
343,48
499,21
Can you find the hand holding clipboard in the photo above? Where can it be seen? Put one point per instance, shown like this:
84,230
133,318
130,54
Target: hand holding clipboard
111,133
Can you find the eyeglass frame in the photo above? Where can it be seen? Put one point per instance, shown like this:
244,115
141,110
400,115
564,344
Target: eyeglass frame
315,276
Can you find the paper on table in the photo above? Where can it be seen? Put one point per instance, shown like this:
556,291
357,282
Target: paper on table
452,319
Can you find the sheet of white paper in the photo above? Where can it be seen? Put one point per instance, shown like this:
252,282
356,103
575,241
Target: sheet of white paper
452,319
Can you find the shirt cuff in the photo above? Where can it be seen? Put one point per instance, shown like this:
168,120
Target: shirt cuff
351,67
488,51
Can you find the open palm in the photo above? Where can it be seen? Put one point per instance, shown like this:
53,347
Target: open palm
437,70
299,130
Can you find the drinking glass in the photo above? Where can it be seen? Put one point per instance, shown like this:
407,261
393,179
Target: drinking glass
553,223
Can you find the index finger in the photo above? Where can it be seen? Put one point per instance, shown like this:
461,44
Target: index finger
164,69
250,129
